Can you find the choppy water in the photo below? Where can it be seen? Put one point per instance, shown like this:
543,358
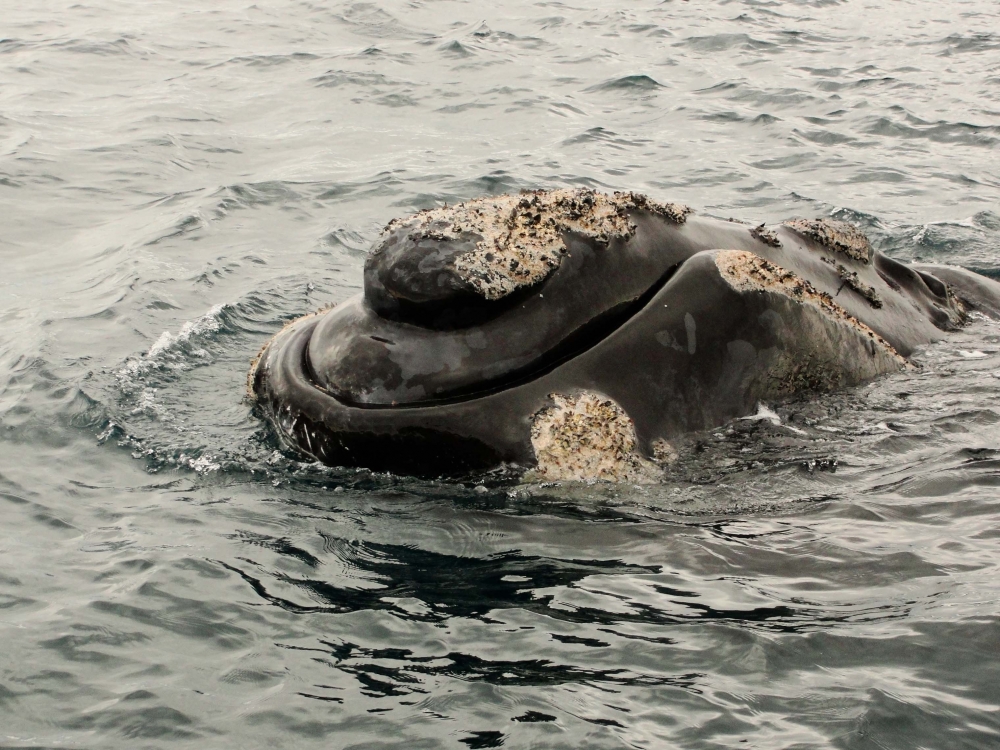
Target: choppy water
177,179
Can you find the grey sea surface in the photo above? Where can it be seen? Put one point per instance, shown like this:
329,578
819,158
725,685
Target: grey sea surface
179,179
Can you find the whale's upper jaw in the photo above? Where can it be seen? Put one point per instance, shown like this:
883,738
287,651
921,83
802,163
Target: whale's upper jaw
474,255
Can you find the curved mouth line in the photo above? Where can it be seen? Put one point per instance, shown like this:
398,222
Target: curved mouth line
584,338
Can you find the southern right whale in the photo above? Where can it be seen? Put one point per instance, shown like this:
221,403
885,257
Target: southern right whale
577,333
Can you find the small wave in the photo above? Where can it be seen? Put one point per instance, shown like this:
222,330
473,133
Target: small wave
629,83
269,61
12,45
879,175
723,117
207,323
336,78
163,351
252,194
456,108
602,135
743,90
367,19
825,137
184,225
785,162
941,131
354,242
863,83
970,242
769,415
523,42
455,48
724,42
119,46
984,42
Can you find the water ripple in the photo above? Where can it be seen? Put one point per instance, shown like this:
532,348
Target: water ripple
180,181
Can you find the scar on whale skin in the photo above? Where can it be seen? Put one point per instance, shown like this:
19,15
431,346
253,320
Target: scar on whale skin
521,236
588,436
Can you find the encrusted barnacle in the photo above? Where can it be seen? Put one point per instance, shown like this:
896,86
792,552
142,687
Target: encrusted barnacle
852,281
587,436
837,235
664,452
675,212
957,304
762,234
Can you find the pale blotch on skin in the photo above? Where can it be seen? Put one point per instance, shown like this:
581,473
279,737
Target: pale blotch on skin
587,437
837,235
522,235
747,272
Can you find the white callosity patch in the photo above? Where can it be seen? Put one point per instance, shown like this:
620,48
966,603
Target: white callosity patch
522,235
745,271
837,235
587,437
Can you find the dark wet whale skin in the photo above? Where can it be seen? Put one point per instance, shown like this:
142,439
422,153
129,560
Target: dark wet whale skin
444,382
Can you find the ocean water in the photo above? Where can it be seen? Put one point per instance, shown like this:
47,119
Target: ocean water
179,179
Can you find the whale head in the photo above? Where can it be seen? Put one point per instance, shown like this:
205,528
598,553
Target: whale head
578,332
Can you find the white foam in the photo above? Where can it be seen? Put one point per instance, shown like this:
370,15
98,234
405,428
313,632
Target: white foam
763,413
207,323
766,414
167,341
202,464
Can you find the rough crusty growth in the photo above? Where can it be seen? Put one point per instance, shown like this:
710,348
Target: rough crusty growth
522,235
765,235
252,373
587,437
675,212
664,452
957,304
837,235
852,281
746,272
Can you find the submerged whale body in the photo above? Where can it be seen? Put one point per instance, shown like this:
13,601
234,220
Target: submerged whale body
577,333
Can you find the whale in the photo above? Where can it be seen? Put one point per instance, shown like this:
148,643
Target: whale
578,334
